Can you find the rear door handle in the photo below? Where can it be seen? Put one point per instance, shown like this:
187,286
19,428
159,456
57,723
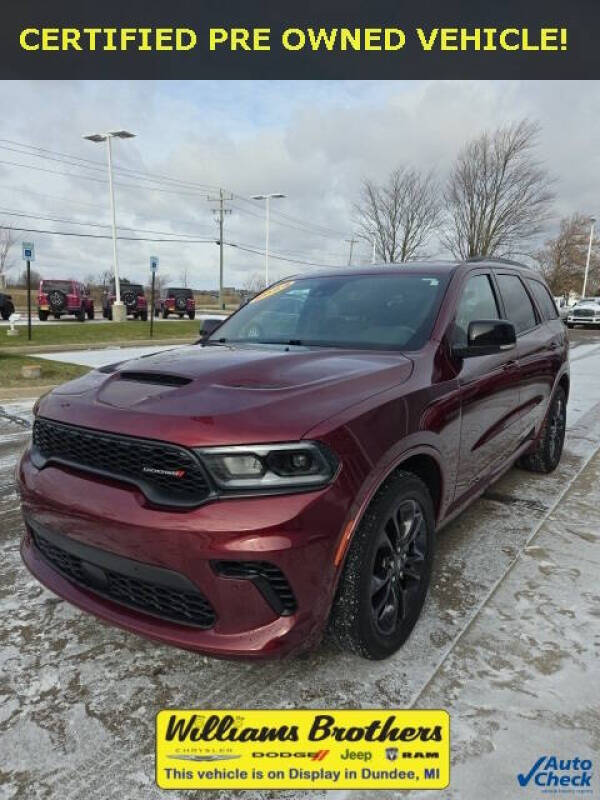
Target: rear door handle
509,365
554,346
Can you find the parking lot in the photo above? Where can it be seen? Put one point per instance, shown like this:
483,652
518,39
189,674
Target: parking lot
504,640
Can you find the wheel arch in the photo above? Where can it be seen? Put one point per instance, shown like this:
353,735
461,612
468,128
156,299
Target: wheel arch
425,464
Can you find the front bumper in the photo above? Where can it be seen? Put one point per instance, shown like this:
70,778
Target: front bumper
583,320
298,534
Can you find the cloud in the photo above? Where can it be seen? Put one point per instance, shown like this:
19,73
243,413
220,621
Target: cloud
314,141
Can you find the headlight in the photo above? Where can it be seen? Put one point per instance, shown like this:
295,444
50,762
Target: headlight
302,465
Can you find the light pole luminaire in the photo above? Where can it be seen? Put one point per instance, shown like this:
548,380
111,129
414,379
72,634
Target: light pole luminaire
118,312
267,199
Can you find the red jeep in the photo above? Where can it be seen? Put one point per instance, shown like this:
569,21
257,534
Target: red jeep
132,296
62,298
176,301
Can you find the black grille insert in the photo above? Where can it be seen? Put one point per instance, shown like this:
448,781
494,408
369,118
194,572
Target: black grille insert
268,579
167,474
153,590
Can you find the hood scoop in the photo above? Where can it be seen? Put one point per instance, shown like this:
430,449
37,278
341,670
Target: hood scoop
154,378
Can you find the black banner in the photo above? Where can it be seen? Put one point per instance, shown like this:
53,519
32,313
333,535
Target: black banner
308,39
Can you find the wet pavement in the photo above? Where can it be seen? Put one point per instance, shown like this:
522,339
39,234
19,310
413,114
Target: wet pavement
508,643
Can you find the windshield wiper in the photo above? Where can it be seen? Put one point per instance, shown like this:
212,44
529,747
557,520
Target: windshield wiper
213,342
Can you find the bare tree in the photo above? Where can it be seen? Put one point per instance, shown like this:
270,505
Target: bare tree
7,241
400,215
498,196
562,259
255,283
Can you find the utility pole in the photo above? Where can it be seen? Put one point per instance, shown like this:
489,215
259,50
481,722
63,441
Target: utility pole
352,241
221,211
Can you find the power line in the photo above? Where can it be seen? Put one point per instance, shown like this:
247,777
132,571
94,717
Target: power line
237,245
192,186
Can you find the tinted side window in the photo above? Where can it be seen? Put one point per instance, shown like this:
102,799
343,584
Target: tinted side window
543,298
477,302
517,304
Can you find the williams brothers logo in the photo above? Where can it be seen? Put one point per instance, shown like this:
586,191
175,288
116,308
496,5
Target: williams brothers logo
302,749
554,775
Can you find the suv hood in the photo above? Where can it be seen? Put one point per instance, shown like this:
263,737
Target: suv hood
225,395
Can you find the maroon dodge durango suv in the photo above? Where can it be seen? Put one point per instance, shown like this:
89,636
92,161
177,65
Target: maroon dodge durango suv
288,473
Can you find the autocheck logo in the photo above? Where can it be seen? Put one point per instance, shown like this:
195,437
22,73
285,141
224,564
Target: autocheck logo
558,774
171,473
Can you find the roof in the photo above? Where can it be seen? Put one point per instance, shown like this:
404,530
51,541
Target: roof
431,267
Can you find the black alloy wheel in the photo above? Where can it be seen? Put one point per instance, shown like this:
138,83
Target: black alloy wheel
386,575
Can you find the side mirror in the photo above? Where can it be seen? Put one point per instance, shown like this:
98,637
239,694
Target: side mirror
209,326
487,337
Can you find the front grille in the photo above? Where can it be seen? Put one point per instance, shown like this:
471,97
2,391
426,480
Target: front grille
268,579
584,312
156,599
178,479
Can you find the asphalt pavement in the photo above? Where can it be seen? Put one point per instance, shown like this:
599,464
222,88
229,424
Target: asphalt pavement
508,643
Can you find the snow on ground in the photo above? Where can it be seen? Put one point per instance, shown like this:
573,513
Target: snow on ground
100,358
508,643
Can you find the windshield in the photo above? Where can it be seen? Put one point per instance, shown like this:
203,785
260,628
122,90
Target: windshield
385,312
61,286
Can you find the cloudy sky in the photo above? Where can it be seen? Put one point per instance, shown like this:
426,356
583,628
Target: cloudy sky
313,141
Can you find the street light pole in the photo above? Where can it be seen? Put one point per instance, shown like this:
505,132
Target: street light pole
267,207
119,313
111,190
267,198
589,254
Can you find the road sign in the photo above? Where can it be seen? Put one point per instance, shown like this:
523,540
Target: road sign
28,251
153,263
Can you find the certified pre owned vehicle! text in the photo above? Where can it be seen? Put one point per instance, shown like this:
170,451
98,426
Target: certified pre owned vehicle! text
289,473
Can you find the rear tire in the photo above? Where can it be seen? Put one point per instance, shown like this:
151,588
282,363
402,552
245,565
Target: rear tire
548,448
165,314
570,325
109,314
90,313
144,316
387,570
192,314
42,316
56,316
80,316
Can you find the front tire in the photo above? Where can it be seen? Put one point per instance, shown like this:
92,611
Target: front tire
387,571
90,313
548,448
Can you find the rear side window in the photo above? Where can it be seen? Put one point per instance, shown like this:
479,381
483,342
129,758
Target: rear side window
477,302
543,298
517,304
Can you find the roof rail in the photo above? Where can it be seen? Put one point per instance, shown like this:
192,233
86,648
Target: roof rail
496,260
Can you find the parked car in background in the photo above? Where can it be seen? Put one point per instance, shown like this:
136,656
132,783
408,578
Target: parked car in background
562,306
176,301
585,312
239,496
63,298
6,305
132,296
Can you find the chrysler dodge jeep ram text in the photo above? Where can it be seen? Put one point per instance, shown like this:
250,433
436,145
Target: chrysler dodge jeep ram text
288,473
